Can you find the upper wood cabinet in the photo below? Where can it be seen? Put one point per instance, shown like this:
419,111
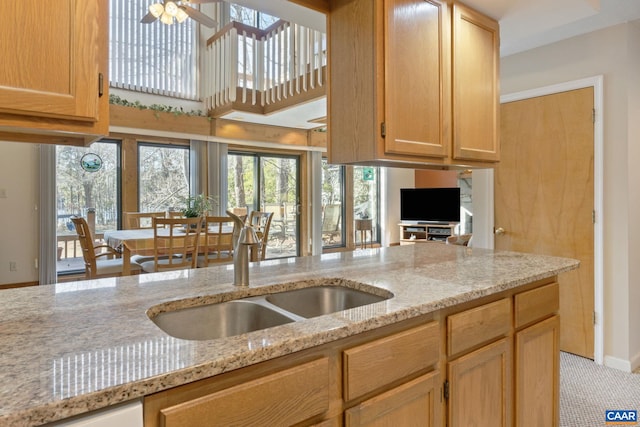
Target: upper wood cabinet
53,82
476,95
412,83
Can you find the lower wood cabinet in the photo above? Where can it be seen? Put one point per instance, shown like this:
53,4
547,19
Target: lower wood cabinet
537,367
480,387
503,361
416,403
491,362
284,398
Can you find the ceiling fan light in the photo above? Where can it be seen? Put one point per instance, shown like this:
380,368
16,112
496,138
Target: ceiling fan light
166,18
181,16
156,9
171,9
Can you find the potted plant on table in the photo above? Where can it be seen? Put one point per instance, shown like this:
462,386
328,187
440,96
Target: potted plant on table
198,205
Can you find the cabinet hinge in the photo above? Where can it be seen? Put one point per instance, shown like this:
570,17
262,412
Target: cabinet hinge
595,318
593,216
383,129
445,389
593,115
100,84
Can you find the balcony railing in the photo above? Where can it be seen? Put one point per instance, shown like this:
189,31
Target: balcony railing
263,71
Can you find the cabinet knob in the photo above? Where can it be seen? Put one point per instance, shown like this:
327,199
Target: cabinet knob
499,231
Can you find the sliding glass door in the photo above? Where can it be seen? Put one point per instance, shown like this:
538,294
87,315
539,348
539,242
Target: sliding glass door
87,184
268,183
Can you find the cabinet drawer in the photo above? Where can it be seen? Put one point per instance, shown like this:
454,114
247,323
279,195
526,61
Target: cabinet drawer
378,363
478,325
536,304
284,398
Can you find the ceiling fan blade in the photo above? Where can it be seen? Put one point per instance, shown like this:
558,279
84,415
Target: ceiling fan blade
148,18
199,16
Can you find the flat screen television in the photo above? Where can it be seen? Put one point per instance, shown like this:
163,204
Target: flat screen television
425,205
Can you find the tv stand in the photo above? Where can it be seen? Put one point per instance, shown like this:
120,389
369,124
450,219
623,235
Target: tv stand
422,232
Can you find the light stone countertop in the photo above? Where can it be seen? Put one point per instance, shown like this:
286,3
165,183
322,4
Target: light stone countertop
74,347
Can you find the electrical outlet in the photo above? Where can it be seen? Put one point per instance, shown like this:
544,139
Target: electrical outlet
13,266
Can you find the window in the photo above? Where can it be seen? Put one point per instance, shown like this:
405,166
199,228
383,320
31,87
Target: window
94,195
163,180
250,17
363,187
153,58
268,183
366,188
332,205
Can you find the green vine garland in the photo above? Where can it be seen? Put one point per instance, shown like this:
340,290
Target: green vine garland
158,108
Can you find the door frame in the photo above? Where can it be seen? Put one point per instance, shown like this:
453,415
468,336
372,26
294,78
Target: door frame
597,82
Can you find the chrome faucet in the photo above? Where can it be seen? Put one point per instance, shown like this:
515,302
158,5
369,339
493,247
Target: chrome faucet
245,237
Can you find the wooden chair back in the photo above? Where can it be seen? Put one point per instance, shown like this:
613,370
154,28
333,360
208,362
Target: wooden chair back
261,222
175,243
218,242
91,252
134,220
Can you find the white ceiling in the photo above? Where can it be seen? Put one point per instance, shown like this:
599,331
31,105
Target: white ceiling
524,25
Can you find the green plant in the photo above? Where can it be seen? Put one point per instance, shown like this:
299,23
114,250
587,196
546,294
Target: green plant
198,205
157,108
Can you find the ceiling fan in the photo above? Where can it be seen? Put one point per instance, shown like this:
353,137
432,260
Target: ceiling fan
168,10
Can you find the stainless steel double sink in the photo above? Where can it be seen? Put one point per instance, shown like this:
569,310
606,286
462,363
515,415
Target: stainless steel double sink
239,316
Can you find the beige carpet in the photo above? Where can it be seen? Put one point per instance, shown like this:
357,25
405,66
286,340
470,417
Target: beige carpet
587,390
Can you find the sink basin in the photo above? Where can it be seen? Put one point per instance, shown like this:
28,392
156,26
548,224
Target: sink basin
320,300
239,316
219,320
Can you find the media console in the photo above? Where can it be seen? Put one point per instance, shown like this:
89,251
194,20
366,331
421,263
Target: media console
411,233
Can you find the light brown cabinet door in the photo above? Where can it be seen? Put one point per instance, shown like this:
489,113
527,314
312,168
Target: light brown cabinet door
52,58
476,98
417,77
537,370
416,403
480,387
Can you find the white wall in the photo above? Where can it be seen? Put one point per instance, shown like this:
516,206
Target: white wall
393,180
18,211
607,52
633,99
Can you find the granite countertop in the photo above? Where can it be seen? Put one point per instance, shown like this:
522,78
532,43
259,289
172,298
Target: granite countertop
74,347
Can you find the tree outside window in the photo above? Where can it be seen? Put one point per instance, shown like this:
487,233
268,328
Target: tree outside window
365,197
77,189
163,180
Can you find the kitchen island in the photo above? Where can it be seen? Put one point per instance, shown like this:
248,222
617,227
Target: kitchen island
72,348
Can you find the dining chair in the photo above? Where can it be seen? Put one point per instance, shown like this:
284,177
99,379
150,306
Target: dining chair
331,219
133,220
100,260
261,222
218,242
459,239
175,244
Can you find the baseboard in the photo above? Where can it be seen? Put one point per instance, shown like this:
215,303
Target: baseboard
18,285
635,362
616,363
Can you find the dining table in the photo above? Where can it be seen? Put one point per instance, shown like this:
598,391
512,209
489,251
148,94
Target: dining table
140,241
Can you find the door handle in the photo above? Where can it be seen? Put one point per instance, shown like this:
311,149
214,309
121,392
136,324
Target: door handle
499,231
